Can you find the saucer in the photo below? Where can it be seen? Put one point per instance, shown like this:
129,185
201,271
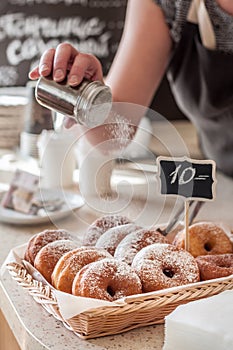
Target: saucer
71,201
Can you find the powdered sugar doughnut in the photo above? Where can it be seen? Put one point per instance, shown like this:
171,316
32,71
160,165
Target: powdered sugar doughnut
205,238
106,279
70,263
49,255
110,239
101,225
135,241
63,261
39,240
162,266
215,266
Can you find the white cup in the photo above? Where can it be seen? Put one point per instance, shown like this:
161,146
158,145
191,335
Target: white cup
95,170
57,159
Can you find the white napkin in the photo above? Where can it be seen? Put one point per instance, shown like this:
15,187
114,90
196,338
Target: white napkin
71,305
202,324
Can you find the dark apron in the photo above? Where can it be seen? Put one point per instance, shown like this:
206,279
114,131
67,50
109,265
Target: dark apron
202,83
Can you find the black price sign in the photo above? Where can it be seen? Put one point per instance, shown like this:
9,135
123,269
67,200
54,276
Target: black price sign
187,177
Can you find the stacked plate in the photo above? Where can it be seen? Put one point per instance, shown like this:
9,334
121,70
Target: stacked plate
28,144
11,120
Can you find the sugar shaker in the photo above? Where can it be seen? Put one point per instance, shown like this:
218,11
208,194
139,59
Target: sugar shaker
89,103
37,118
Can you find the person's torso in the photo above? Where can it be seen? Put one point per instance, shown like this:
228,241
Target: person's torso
176,14
201,77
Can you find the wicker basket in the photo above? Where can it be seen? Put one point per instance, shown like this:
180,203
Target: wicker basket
137,311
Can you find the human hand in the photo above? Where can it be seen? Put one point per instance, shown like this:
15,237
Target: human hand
66,61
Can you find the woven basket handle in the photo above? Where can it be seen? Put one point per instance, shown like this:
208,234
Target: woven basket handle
198,14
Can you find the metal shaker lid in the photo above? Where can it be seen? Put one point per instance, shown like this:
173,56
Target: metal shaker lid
94,105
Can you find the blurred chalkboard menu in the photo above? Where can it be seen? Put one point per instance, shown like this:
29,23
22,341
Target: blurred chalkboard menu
29,27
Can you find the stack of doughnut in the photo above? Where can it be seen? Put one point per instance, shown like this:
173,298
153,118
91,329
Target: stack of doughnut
101,225
118,258
71,263
39,240
215,266
211,246
205,238
45,249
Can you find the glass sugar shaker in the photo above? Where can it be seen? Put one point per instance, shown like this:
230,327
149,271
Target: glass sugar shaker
89,103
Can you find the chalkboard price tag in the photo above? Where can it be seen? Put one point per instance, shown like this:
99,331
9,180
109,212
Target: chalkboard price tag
187,177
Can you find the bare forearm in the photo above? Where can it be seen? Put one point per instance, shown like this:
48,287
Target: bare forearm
136,71
142,56
226,5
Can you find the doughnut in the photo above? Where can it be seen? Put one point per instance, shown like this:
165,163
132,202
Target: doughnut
231,236
110,239
205,238
107,279
71,262
215,266
135,241
63,262
39,240
49,255
162,265
101,225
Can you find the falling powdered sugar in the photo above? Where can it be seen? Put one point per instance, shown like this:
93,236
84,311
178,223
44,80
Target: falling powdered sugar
120,130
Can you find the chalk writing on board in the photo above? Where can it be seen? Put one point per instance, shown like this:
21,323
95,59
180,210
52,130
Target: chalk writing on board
187,177
29,27
16,26
8,75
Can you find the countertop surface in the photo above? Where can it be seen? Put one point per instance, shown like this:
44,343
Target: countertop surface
34,328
